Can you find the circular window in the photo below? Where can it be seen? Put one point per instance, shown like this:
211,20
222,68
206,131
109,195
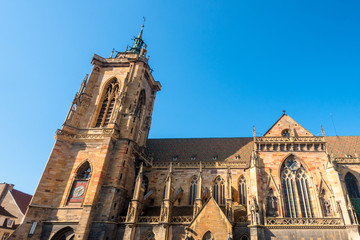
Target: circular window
285,133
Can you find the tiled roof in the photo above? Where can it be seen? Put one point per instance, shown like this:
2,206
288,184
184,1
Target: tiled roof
341,145
203,149
21,199
5,213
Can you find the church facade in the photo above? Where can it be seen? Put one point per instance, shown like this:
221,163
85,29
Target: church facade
106,180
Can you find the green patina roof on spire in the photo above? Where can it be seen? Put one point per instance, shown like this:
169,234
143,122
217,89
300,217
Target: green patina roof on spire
138,42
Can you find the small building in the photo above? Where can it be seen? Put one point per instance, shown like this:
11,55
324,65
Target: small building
13,206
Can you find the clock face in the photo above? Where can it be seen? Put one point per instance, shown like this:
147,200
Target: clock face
292,164
79,191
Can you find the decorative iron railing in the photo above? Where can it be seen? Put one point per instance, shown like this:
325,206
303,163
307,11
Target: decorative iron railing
181,219
304,221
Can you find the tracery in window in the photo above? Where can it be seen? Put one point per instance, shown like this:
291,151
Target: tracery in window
193,186
285,133
80,183
108,103
242,190
352,186
295,184
149,236
219,190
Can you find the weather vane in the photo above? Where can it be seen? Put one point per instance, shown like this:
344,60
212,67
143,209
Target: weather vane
144,20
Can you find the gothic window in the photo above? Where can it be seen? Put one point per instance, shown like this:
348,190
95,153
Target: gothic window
193,186
207,236
295,184
242,190
107,104
219,191
352,186
140,103
149,236
64,233
80,183
244,237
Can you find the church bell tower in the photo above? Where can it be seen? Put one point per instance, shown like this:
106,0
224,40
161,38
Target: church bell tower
89,178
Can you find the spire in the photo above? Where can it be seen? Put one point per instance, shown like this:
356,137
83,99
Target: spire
138,42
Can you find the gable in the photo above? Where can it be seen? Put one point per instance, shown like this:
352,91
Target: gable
210,218
286,122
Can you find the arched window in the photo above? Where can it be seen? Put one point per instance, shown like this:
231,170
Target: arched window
242,190
207,236
140,103
149,236
295,184
64,233
193,186
219,191
80,183
244,237
108,103
352,186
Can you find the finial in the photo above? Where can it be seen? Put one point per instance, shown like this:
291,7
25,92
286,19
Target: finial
200,170
112,52
171,167
141,168
322,130
284,111
254,131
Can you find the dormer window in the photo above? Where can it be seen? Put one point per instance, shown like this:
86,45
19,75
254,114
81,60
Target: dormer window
348,156
237,157
285,133
175,158
214,158
193,158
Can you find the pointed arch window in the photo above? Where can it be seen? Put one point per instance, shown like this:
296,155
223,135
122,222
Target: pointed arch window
207,236
140,103
296,187
219,190
242,190
352,186
193,186
80,183
107,104
149,236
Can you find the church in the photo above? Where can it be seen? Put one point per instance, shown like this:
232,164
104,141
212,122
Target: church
106,180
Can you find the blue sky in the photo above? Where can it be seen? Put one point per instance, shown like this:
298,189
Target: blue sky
224,66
